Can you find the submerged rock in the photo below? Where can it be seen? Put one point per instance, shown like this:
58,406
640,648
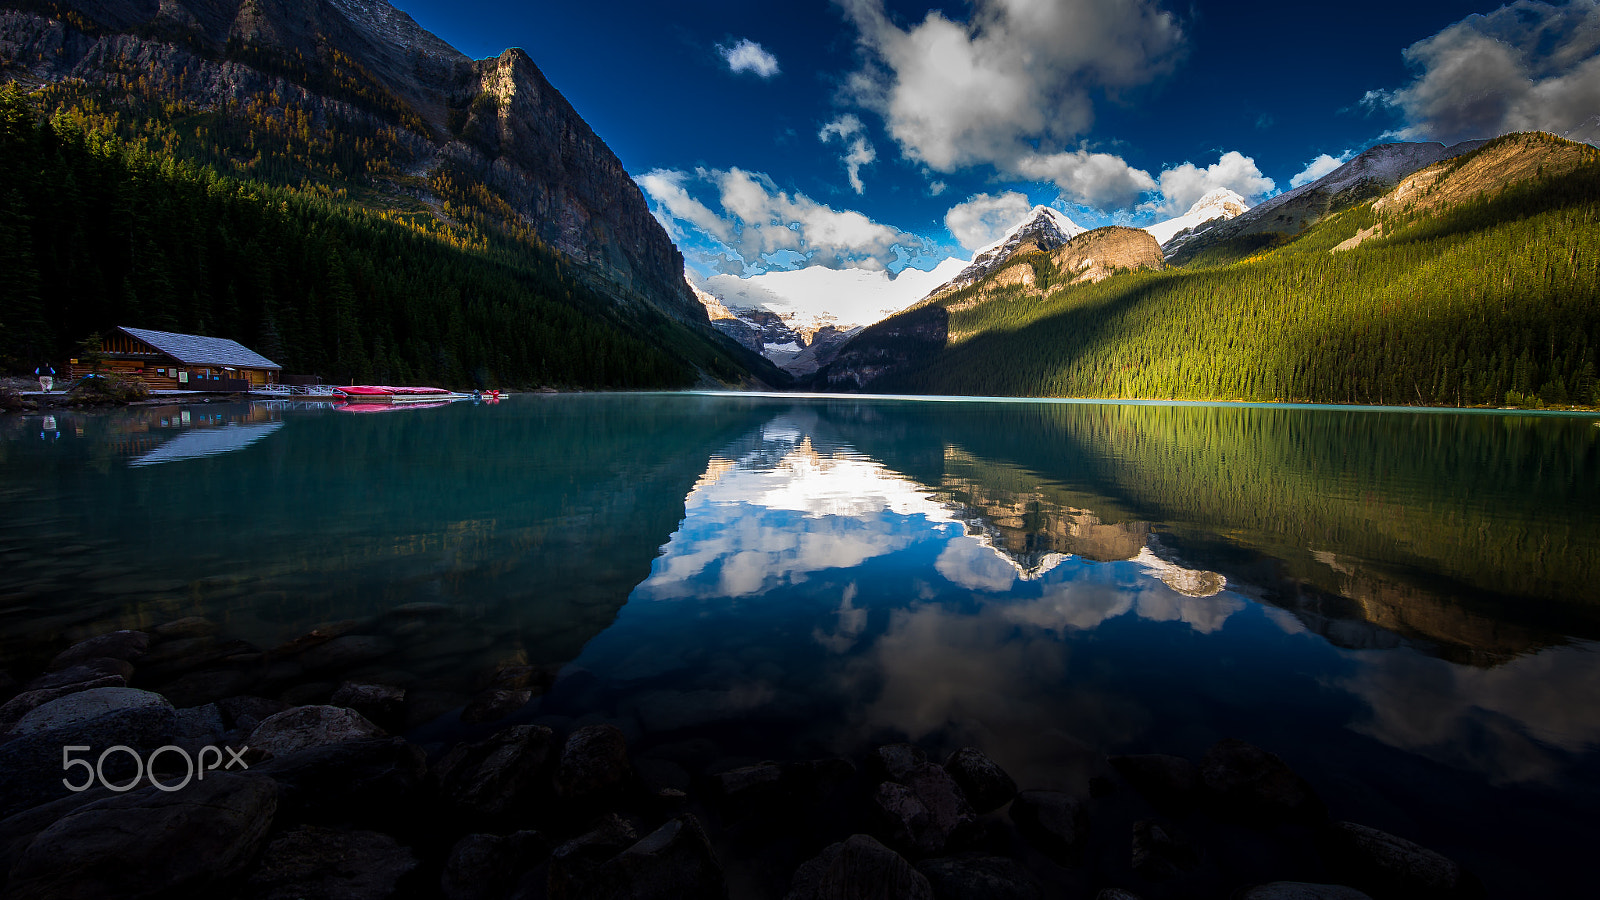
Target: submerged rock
986,786
496,703
187,627
88,670
1388,864
312,863
303,727
859,869
380,703
1056,823
123,645
150,843
1168,782
1251,784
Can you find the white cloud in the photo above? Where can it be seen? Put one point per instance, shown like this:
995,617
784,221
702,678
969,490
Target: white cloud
749,56
983,218
1018,73
849,130
936,188
1098,180
1317,168
666,187
1527,66
1182,185
757,220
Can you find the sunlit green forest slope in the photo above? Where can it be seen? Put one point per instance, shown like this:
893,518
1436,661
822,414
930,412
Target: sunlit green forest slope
1482,286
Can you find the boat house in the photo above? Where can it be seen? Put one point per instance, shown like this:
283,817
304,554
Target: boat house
168,361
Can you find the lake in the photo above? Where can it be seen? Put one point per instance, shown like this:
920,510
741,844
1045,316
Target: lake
1403,604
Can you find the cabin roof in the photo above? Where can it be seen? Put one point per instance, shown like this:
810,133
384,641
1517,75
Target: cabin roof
195,350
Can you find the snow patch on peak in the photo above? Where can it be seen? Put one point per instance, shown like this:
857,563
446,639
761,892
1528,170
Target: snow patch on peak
1220,203
1039,219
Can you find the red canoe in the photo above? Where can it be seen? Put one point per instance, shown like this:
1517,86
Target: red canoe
382,393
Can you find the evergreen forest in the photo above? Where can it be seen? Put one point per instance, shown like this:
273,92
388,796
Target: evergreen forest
1495,301
100,227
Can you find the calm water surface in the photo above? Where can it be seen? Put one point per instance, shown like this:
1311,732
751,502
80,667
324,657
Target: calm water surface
1404,605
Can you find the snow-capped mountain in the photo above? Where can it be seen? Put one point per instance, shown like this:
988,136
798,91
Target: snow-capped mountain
1222,203
783,314
1042,228
1369,175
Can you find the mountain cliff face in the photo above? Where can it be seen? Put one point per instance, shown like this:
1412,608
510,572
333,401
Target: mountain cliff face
353,93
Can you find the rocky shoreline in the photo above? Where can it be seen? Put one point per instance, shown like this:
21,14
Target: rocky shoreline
309,793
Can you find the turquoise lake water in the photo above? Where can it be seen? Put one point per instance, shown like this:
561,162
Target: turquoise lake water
1405,605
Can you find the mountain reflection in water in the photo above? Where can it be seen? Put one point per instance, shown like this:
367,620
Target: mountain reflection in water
1401,604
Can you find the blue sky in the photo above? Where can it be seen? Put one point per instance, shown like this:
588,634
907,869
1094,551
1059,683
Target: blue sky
874,133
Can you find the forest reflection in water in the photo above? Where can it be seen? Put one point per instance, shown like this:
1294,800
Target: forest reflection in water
1401,603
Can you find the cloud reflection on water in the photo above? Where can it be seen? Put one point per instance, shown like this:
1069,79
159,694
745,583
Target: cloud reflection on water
1514,722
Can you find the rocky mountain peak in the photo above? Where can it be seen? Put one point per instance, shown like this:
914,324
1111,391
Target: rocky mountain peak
1098,254
1043,228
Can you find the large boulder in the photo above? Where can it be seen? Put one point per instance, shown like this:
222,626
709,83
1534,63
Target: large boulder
674,862
31,767
897,760
486,866
1168,782
304,727
980,878
75,710
986,786
86,671
1388,865
311,863
383,704
150,843
926,811
858,869
1056,823
495,776
244,713
124,645
1160,852
1252,785
28,701
594,763
574,864
372,782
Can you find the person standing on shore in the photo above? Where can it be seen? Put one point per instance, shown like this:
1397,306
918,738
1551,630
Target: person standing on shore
47,377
